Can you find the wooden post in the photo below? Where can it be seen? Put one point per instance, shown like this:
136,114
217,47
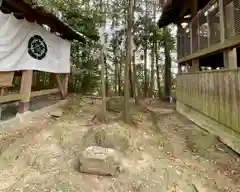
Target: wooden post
181,50
230,58
191,37
222,22
65,84
62,84
25,91
195,66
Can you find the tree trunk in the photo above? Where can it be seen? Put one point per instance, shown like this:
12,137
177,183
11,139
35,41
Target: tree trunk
145,72
152,73
159,92
119,79
134,74
116,76
106,77
131,80
168,63
135,80
103,113
128,62
153,54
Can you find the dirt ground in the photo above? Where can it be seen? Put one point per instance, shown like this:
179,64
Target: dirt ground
44,155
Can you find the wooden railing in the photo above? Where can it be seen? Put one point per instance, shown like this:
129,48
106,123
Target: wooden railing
216,27
215,94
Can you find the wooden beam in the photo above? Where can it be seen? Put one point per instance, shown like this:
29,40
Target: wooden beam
25,90
16,97
45,92
9,98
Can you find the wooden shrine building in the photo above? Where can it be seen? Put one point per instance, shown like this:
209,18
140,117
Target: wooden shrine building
208,83
32,41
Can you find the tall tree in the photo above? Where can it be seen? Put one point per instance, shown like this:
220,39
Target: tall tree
145,51
128,62
159,90
103,38
153,44
168,63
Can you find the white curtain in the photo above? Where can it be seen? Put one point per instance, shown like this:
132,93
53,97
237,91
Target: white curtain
26,46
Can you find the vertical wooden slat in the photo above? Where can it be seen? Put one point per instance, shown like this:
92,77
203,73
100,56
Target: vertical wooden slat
216,96
207,100
204,93
199,91
234,104
210,95
221,94
226,98
194,91
230,75
237,85
207,93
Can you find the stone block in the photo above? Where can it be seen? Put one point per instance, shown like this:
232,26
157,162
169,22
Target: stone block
99,161
56,113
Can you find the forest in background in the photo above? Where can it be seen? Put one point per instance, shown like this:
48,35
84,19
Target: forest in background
131,48
153,50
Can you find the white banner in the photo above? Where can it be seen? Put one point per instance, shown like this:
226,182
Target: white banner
26,46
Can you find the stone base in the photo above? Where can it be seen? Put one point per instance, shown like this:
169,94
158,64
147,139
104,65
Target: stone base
228,136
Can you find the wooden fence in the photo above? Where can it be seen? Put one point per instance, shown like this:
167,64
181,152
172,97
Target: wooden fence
214,93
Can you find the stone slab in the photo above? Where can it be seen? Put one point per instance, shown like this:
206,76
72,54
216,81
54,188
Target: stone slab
100,161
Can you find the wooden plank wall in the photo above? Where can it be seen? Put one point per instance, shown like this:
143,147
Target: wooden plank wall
214,93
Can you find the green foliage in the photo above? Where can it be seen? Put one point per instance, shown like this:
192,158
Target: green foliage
86,16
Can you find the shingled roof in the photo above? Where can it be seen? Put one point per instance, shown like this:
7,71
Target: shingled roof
172,9
40,15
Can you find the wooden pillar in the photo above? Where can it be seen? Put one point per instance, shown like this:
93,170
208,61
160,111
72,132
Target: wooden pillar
195,66
181,47
194,35
230,58
25,91
222,20
62,84
65,84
